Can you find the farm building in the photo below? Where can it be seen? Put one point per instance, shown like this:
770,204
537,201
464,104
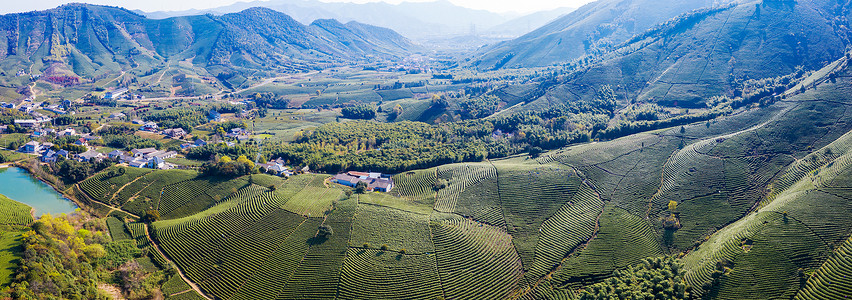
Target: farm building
149,126
175,133
90,155
374,181
116,93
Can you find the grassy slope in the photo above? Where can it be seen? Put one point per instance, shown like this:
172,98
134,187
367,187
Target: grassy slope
10,255
14,212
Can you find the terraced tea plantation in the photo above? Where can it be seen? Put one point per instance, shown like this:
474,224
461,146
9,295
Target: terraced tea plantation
753,208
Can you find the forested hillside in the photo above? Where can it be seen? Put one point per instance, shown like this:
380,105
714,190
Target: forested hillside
80,40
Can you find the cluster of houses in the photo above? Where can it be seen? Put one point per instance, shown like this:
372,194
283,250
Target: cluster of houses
48,155
375,181
144,158
173,133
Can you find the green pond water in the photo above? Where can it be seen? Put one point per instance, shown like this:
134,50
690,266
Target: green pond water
19,185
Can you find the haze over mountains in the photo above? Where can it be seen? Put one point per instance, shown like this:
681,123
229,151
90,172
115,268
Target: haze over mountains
416,20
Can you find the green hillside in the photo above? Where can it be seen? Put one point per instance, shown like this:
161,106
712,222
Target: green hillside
593,28
714,51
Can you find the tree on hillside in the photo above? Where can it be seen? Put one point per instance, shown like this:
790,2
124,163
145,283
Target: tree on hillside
653,278
324,231
361,187
151,216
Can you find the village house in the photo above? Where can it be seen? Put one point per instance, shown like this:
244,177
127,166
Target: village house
142,152
115,154
156,163
149,126
277,167
214,116
118,115
66,132
175,133
27,123
89,156
81,142
374,181
160,154
31,147
38,133
49,156
138,163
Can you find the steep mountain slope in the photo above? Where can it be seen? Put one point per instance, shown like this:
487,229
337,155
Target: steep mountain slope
589,29
89,40
416,20
710,52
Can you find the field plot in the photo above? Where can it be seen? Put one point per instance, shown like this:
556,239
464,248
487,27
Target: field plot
104,185
14,212
530,195
377,225
117,230
315,199
623,239
459,177
416,186
174,285
376,274
238,257
249,217
267,281
831,280
144,193
10,254
642,176
185,198
383,199
572,225
189,295
796,230
318,274
475,261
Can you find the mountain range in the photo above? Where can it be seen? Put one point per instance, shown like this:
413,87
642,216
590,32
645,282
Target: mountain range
90,40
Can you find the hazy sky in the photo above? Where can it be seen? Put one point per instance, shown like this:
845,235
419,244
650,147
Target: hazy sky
522,6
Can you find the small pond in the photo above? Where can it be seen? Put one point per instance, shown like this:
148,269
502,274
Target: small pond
19,185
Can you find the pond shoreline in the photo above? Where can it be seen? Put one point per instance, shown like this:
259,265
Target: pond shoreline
61,193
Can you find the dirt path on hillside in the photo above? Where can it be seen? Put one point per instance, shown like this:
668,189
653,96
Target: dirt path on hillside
113,208
122,188
179,271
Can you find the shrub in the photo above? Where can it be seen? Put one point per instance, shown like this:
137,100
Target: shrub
325,231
